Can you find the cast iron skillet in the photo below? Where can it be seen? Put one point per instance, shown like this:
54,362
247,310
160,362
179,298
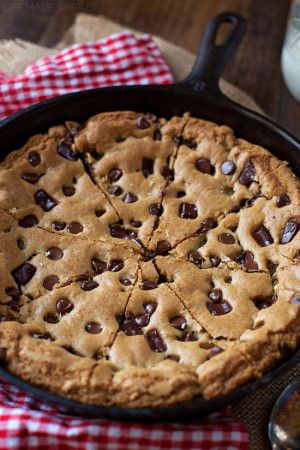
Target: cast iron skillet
200,95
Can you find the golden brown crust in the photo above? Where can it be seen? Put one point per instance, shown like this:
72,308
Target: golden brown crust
145,261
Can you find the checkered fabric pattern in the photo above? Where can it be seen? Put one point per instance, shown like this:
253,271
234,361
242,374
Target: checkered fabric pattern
122,58
25,423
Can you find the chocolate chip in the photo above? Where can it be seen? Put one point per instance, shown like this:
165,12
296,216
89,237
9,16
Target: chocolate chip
129,197
156,209
226,238
50,281
115,190
215,261
54,253
20,244
93,328
150,307
195,257
12,292
23,273
214,351
206,345
28,221
215,295
180,194
74,227
155,341
188,211
51,318
147,285
295,300
64,306
248,174
188,336
206,224
115,265
147,167
167,173
114,175
89,285
228,167
163,247
31,178
290,230
34,158
204,165
263,303
179,322
143,320
39,335
98,266
219,309
99,212
282,200
44,200
98,155
142,123
247,260
58,226
125,281
136,223
262,236
157,135
129,326
191,143
65,151
173,358
119,231
68,191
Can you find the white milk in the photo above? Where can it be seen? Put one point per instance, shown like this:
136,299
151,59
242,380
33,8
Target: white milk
290,59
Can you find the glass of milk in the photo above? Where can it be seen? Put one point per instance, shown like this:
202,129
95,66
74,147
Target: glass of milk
290,57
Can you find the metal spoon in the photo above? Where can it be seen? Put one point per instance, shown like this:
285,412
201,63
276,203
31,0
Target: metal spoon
284,425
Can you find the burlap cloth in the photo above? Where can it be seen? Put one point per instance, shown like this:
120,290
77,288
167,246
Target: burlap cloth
254,411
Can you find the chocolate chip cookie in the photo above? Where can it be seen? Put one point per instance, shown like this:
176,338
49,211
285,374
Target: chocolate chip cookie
145,261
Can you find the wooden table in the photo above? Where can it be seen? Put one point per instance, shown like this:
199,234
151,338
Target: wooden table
255,67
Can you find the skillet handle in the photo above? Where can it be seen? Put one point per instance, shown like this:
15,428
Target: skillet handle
212,58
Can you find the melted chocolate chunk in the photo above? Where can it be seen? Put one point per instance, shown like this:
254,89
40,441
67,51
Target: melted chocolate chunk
31,178
93,328
74,227
228,167
215,261
20,244
12,292
89,285
51,318
115,265
282,200
129,326
65,151
155,341
150,307
44,200
54,253
129,197
28,221
23,273
219,309
143,320
204,165
263,303
188,211
64,306
214,351
215,295
163,247
147,285
98,266
206,345
226,238
34,158
147,167
248,174
156,209
39,335
206,224
58,226
290,230
68,191
119,231
142,123
114,175
188,336
262,236
195,257
125,281
247,260
179,322
50,281
115,190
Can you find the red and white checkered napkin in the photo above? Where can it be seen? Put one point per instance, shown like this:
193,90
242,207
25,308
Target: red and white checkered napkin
27,424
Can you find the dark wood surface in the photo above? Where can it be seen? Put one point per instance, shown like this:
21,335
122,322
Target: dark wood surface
255,67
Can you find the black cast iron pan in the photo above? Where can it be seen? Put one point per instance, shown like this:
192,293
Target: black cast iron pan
200,95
